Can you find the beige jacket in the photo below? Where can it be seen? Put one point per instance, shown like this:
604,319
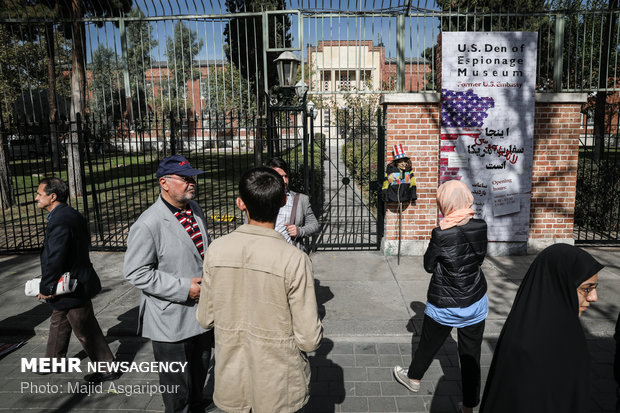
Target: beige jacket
258,292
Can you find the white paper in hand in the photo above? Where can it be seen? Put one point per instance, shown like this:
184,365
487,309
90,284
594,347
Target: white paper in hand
65,285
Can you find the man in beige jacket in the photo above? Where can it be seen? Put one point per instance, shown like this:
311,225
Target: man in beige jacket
258,294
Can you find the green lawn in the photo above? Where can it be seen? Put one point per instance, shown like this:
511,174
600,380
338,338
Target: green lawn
120,187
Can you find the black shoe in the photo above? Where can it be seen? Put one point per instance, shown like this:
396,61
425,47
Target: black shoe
100,377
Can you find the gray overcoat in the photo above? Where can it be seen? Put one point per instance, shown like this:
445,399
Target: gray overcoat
160,260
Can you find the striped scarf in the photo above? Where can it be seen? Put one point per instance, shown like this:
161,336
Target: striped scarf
188,221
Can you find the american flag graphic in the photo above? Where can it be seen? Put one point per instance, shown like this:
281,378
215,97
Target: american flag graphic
464,109
462,116
398,151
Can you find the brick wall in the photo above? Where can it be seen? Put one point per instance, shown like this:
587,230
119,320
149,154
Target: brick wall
554,177
413,120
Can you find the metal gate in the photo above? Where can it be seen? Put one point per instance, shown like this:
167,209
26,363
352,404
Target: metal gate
597,203
352,145
337,162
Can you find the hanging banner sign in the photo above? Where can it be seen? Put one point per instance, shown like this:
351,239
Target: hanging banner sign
487,124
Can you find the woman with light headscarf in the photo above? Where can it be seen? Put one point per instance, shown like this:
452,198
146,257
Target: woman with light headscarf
456,294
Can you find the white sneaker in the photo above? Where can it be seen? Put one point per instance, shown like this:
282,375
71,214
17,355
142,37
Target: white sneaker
400,374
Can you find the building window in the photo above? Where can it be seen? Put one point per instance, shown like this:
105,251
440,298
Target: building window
345,80
326,76
203,89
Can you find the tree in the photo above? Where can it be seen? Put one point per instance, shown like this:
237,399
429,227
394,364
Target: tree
140,42
74,28
23,83
181,51
104,107
226,91
481,15
356,118
57,52
243,37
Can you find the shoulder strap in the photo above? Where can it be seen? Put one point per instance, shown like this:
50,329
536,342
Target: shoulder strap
291,220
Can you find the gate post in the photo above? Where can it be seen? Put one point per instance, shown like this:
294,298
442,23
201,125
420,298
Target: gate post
82,147
558,52
173,140
305,134
412,120
380,173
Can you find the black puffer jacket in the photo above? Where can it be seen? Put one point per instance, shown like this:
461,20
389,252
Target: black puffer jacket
454,256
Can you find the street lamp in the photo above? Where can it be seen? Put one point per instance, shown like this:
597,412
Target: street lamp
286,65
311,112
301,89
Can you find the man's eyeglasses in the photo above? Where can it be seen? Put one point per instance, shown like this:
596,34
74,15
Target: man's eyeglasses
587,290
186,179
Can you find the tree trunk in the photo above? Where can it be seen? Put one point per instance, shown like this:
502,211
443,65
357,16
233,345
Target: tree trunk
51,94
601,95
6,188
78,93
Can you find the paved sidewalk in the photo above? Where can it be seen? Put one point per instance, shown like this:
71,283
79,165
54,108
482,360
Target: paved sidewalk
372,312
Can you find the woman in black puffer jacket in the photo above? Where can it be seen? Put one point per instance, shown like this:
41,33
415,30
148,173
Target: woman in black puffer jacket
456,294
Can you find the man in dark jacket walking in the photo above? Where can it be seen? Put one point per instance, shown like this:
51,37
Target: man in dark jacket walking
65,249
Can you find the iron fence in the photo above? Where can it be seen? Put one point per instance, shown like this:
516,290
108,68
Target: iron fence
334,162
597,203
116,173
158,80
140,63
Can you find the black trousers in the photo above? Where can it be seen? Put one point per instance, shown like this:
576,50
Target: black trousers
188,385
469,342
84,325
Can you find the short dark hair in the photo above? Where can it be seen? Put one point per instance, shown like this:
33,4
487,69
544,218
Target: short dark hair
56,186
262,191
278,163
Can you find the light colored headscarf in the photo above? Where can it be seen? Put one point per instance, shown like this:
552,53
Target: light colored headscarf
454,200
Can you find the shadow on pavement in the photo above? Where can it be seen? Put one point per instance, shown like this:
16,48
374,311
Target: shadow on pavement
449,385
323,295
126,331
23,324
327,386
418,315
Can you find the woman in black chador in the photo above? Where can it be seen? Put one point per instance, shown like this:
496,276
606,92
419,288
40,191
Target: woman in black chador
541,362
